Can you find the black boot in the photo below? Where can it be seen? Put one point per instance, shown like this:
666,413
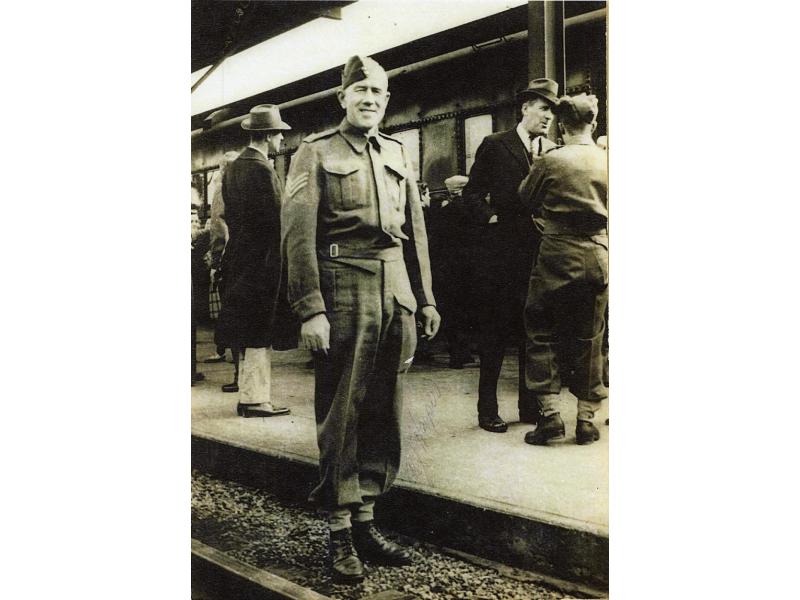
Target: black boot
371,545
234,385
550,429
345,565
586,433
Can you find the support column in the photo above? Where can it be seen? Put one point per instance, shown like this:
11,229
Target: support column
546,41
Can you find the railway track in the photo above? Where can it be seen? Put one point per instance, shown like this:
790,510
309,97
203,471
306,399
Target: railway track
249,544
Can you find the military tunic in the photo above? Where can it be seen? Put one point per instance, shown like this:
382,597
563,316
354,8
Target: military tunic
356,247
567,192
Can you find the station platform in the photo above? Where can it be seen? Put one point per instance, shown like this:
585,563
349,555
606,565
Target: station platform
547,502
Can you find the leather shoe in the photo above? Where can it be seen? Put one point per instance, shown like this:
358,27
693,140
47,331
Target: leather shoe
372,546
345,565
230,387
550,429
214,358
259,410
493,424
586,433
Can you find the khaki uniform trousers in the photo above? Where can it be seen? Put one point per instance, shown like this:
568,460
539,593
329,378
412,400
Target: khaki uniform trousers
567,300
358,395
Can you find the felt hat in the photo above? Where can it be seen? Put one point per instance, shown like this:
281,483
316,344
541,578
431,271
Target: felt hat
264,117
544,88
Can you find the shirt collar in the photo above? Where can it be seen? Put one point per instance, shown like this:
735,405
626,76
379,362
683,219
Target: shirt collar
357,138
524,136
260,152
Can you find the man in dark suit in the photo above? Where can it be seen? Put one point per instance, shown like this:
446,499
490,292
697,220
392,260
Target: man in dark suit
251,264
509,246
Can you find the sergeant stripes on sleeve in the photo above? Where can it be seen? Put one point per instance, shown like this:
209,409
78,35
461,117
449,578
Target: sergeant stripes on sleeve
295,184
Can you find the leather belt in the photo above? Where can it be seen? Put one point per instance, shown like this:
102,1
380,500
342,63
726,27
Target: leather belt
342,251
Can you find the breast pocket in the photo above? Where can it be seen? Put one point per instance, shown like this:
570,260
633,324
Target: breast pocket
345,184
396,185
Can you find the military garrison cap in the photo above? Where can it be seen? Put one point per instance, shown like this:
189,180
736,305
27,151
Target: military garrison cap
358,68
577,110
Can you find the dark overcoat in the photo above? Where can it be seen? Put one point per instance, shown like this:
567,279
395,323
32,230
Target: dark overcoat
251,265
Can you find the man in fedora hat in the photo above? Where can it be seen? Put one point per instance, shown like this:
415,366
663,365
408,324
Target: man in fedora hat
567,193
509,246
251,264
357,253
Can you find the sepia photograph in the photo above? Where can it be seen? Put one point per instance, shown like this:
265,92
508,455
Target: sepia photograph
400,299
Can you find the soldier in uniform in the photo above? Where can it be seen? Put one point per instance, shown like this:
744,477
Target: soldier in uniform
358,268
567,193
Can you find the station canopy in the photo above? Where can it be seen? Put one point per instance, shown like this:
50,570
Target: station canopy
366,27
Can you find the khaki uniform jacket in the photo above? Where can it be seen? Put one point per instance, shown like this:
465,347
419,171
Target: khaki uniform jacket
330,211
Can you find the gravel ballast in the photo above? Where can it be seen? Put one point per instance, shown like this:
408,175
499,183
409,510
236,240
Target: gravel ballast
291,541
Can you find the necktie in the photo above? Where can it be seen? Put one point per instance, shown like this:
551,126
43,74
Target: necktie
384,202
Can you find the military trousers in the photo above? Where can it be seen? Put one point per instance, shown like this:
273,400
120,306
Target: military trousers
358,384
566,307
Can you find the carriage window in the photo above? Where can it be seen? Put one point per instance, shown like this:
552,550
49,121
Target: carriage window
410,139
475,129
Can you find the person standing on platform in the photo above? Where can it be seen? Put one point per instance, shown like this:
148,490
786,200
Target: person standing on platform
454,275
567,193
196,233
251,264
219,237
358,268
509,245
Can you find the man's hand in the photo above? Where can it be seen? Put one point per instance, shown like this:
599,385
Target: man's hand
315,334
430,321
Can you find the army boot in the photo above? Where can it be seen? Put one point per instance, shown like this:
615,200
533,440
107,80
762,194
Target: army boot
372,546
586,433
550,429
345,565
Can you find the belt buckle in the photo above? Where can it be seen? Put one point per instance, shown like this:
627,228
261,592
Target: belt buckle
333,251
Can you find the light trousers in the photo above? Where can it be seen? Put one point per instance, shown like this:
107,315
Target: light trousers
255,376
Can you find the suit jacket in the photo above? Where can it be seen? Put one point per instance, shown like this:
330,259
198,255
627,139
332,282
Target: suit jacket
251,264
501,163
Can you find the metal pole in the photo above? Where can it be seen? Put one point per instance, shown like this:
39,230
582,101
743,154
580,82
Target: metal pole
555,68
546,41
537,66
